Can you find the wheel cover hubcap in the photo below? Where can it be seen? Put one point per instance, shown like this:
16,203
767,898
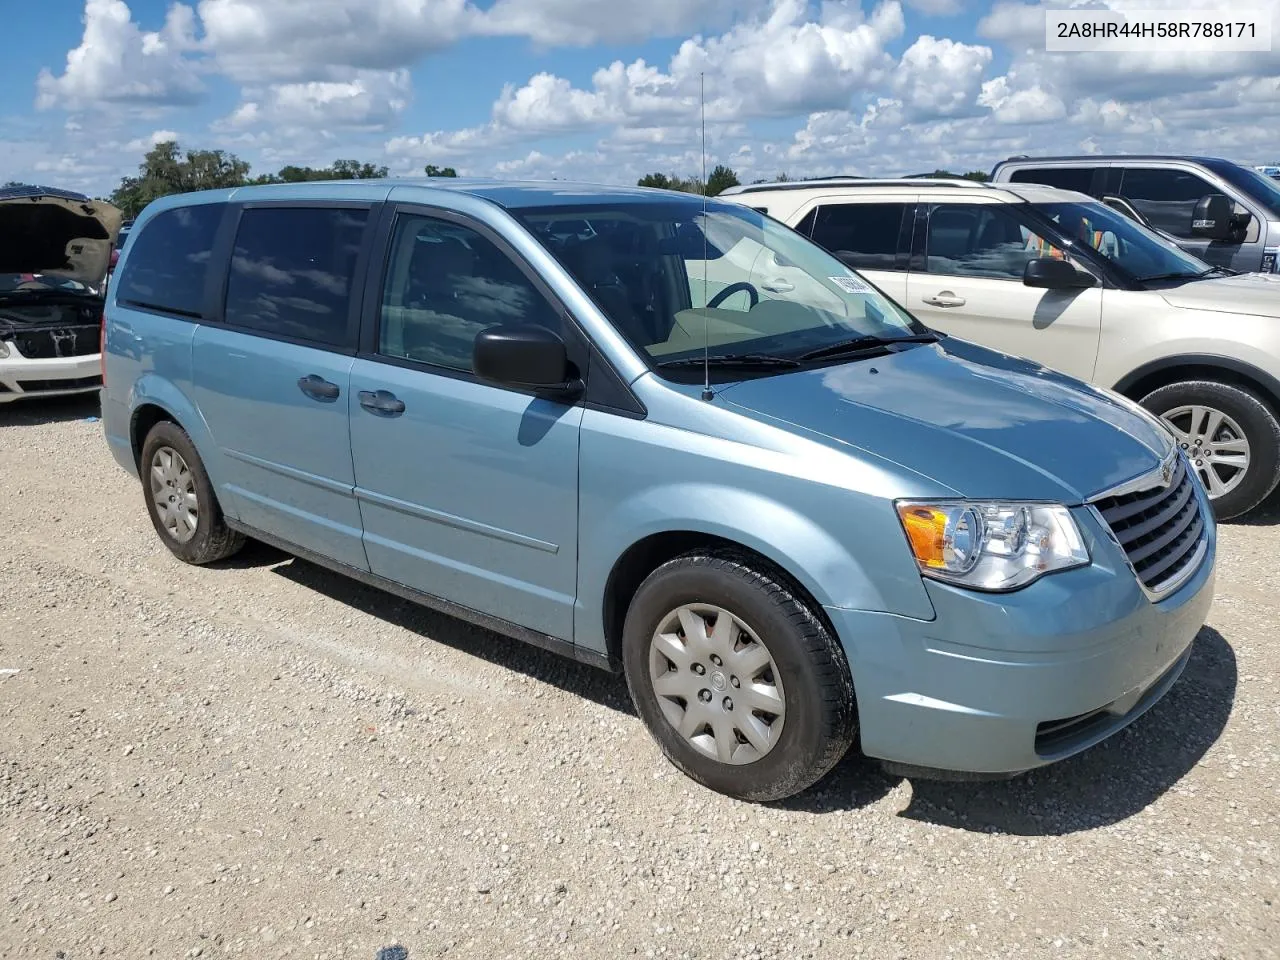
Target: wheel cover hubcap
1214,443
173,491
717,683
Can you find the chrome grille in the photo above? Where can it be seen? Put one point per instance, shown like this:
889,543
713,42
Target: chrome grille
1160,529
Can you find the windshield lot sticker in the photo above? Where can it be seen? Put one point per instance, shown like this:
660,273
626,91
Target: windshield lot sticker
850,284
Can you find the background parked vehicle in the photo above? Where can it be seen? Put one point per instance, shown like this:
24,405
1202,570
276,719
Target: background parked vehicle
750,501
1064,280
55,249
1225,214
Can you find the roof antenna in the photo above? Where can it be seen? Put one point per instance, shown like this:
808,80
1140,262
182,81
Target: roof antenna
706,349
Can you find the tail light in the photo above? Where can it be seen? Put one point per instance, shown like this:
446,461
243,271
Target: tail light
102,346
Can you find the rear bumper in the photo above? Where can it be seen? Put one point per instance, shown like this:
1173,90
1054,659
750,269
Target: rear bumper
1000,684
22,377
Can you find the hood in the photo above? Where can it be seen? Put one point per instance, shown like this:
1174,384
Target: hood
978,422
56,232
1255,294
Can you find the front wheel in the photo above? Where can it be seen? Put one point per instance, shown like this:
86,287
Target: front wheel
1230,436
743,687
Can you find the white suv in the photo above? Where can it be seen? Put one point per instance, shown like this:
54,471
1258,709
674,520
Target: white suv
1062,279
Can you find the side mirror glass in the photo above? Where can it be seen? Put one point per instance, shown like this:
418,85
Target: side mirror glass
1050,273
525,355
1214,218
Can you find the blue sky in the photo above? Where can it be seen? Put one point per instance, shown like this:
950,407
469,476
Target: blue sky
599,89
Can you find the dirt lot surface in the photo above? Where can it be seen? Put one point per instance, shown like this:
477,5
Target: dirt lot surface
268,760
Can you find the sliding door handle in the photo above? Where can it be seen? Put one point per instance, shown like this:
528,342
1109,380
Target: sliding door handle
318,388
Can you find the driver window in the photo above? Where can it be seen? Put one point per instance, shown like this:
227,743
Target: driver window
982,240
446,283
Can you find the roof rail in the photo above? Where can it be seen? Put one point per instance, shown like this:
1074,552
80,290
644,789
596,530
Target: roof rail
792,184
861,182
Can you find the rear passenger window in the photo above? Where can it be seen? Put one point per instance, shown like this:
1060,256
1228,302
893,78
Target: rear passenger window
446,283
863,235
1079,179
292,272
169,260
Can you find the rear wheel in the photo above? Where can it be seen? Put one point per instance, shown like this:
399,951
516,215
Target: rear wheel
1231,437
180,498
743,687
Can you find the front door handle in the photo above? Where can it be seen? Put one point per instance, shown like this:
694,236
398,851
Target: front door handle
778,286
944,299
382,402
318,388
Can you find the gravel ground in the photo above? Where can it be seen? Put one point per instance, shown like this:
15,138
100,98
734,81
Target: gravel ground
268,760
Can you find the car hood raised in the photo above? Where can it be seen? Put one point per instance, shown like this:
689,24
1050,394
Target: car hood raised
978,422
1255,294
56,232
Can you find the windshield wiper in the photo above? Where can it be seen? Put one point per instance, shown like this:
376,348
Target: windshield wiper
731,360
858,344
1187,276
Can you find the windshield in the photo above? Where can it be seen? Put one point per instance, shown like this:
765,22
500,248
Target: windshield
1135,250
672,278
1261,188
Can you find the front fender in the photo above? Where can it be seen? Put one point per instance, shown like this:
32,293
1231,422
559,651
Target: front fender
884,578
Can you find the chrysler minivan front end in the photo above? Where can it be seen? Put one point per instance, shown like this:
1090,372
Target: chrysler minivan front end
1005,681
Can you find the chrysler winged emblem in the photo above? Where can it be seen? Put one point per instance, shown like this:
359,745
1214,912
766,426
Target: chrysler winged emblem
1166,472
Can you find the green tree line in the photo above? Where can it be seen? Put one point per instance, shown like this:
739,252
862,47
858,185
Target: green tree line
720,179
167,169
723,177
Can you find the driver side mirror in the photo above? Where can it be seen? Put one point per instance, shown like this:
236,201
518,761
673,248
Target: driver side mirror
1050,273
1215,218
528,356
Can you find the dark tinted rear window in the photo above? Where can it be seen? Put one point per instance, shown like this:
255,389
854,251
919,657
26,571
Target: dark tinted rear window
292,272
167,266
1079,179
863,235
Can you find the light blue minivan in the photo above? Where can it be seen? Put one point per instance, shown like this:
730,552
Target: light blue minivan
666,436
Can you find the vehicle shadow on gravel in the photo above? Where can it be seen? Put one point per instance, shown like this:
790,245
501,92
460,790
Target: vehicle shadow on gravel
38,413
1114,780
576,678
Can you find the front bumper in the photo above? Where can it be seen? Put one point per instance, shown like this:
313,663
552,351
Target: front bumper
57,376
1003,683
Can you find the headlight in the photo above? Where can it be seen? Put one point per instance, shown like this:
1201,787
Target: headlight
991,546
4,350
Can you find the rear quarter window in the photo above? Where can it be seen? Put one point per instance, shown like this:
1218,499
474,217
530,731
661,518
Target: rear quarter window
1079,179
169,260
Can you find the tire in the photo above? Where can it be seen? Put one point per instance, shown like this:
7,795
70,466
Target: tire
807,677
209,539
1234,492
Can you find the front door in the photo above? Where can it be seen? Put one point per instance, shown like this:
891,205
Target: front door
1167,197
468,491
974,258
